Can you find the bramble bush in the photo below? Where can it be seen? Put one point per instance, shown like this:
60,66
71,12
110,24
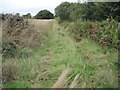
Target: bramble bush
104,32
108,32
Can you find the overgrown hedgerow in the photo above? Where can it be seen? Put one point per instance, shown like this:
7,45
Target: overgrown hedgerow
17,34
105,32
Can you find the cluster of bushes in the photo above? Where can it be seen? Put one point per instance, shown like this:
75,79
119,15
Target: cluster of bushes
17,34
105,32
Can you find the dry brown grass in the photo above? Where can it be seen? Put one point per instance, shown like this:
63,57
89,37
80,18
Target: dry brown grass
9,71
75,82
41,25
62,80
42,28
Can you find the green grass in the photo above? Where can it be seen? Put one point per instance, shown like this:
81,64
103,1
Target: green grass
85,54
94,63
17,85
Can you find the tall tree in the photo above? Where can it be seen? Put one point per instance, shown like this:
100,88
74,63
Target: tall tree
63,10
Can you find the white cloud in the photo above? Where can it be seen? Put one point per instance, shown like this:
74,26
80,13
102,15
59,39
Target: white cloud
32,6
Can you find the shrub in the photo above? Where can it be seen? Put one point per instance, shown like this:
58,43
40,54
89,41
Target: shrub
109,32
105,32
83,27
79,29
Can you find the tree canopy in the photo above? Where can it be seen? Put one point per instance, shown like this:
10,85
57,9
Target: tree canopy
88,11
63,10
44,14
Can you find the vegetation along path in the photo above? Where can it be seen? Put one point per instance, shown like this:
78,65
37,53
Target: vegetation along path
63,62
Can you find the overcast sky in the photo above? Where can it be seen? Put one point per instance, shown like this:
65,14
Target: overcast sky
29,6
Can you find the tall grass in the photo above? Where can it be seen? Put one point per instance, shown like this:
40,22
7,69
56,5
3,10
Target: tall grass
29,68
91,66
86,58
62,80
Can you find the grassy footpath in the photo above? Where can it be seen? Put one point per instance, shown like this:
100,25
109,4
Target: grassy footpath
85,64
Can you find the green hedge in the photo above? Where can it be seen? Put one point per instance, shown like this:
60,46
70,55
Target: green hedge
104,32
